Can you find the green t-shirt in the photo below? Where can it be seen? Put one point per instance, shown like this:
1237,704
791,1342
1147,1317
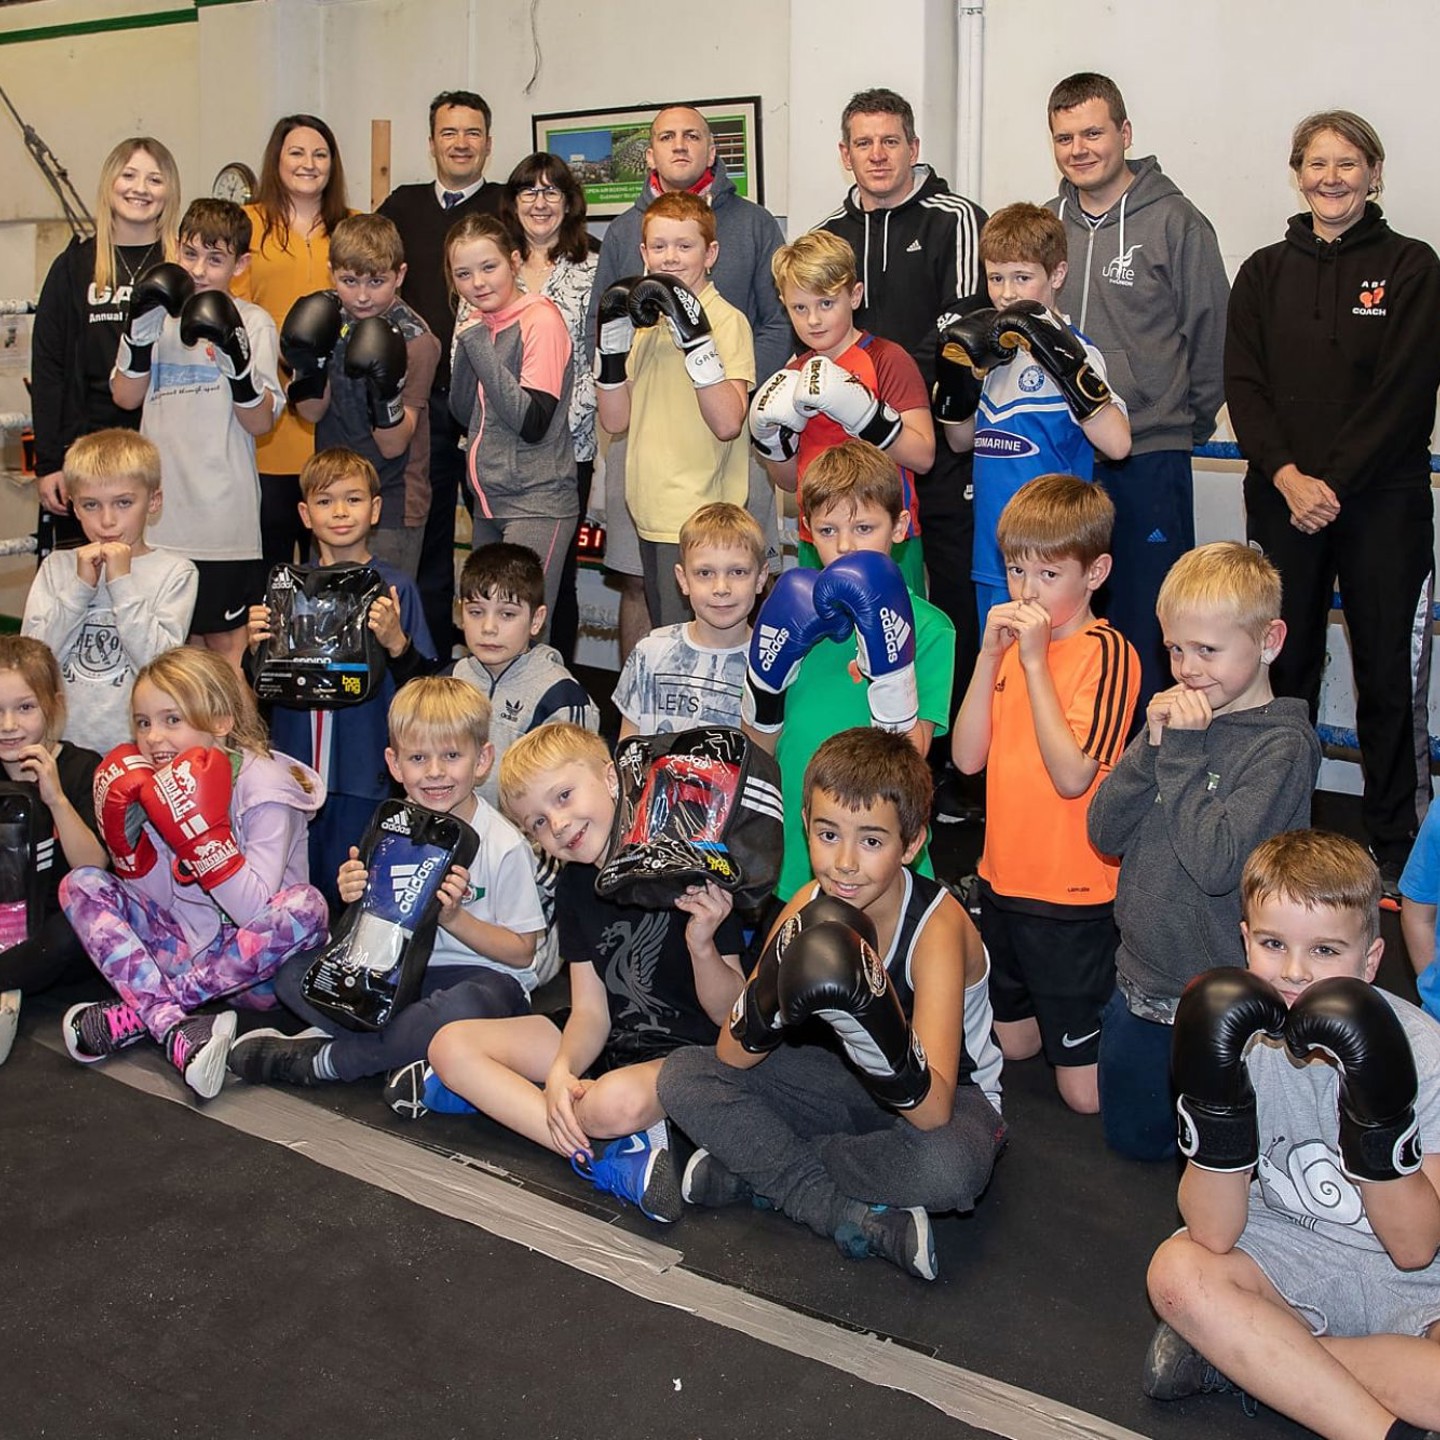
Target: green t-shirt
828,697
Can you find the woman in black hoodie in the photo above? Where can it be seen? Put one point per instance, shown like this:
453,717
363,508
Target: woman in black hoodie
1332,360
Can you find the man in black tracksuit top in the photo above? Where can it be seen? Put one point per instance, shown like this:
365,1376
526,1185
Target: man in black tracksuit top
917,250
1331,366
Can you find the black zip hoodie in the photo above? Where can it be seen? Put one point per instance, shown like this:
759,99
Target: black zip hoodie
916,260
1332,357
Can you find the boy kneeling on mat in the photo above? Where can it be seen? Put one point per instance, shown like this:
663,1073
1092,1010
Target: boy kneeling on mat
1313,1287
891,963
643,982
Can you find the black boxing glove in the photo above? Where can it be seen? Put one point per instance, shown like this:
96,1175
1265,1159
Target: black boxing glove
213,316
833,973
307,339
1058,351
1349,1021
755,1018
967,351
1219,1014
663,297
159,291
615,334
376,356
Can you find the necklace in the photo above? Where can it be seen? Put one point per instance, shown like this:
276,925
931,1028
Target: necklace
131,271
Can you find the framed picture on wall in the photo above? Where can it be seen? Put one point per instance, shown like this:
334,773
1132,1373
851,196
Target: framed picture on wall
606,148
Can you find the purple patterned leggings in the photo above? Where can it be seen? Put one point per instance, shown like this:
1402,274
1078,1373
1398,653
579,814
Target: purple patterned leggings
141,951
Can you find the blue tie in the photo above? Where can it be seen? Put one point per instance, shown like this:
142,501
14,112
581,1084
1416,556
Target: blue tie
452,198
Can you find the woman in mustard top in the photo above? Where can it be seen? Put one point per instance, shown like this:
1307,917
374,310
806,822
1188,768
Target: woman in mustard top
300,200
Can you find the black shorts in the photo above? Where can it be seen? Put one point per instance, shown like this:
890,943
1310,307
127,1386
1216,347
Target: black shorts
228,588
1056,971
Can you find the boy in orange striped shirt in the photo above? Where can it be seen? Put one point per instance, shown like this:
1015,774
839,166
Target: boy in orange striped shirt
1046,715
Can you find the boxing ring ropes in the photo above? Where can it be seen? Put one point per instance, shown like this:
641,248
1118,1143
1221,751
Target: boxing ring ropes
1337,738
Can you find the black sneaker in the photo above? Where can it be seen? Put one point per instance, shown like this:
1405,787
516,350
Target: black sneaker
415,1090
93,1031
954,804
709,1183
270,1057
903,1237
1391,870
197,1048
1174,1368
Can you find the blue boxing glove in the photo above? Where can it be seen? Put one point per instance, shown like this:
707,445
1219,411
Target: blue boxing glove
787,629
867,590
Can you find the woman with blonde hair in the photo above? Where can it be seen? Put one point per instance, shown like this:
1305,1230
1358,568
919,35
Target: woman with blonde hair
82,312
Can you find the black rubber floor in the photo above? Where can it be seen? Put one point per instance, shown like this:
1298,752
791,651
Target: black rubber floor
163,1275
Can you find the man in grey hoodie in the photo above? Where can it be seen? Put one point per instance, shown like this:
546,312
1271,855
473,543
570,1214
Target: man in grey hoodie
682,156
1147,287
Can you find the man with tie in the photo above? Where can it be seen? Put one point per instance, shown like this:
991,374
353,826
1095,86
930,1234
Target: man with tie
460,142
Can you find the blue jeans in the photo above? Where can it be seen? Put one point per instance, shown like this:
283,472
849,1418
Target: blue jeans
1137,1108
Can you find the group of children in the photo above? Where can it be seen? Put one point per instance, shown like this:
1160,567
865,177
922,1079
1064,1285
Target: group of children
840,1058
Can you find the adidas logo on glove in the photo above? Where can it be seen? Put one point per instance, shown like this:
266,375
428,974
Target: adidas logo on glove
409,883
398,823
896,630
772,641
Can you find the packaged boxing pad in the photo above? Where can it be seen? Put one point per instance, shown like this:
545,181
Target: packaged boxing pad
694,806
20,845
376,957
322,652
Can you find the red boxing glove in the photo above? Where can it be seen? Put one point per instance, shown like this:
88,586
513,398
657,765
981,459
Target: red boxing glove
120,783
188,803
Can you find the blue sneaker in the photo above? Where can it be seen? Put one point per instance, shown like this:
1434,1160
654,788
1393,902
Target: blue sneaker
415,1089
903,1237
630,1169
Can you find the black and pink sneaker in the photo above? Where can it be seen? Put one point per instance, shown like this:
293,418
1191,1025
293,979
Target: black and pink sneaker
96,1030
198,1047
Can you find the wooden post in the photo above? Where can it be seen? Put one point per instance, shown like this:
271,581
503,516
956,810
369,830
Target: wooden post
379,162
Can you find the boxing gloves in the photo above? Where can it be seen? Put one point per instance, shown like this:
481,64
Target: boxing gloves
826,388
214,317
1219,1014
786,630
1351,1022
615,335
377,357
188,803
657,297
832,972
866,589
1342,1018
307,339
755,1020
967,351
159,291
775,419
1058,351
123,776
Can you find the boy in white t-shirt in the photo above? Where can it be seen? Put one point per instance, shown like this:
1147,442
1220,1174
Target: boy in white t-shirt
681,676
491,948
204,366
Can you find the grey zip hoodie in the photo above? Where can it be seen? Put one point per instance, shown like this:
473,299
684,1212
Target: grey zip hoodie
1148,287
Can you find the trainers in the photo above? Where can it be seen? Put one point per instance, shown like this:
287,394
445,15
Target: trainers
954,802
1391,869
634,1172
93,1031
415,1089
271,1057
708,1182
1174,1368
197,1048
903,1237
9,1021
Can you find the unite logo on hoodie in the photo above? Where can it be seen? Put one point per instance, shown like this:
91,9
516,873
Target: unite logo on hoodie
1121,270
1372,292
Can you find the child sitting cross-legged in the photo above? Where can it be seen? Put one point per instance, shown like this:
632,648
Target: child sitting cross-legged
859,1151
492,919
643,982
